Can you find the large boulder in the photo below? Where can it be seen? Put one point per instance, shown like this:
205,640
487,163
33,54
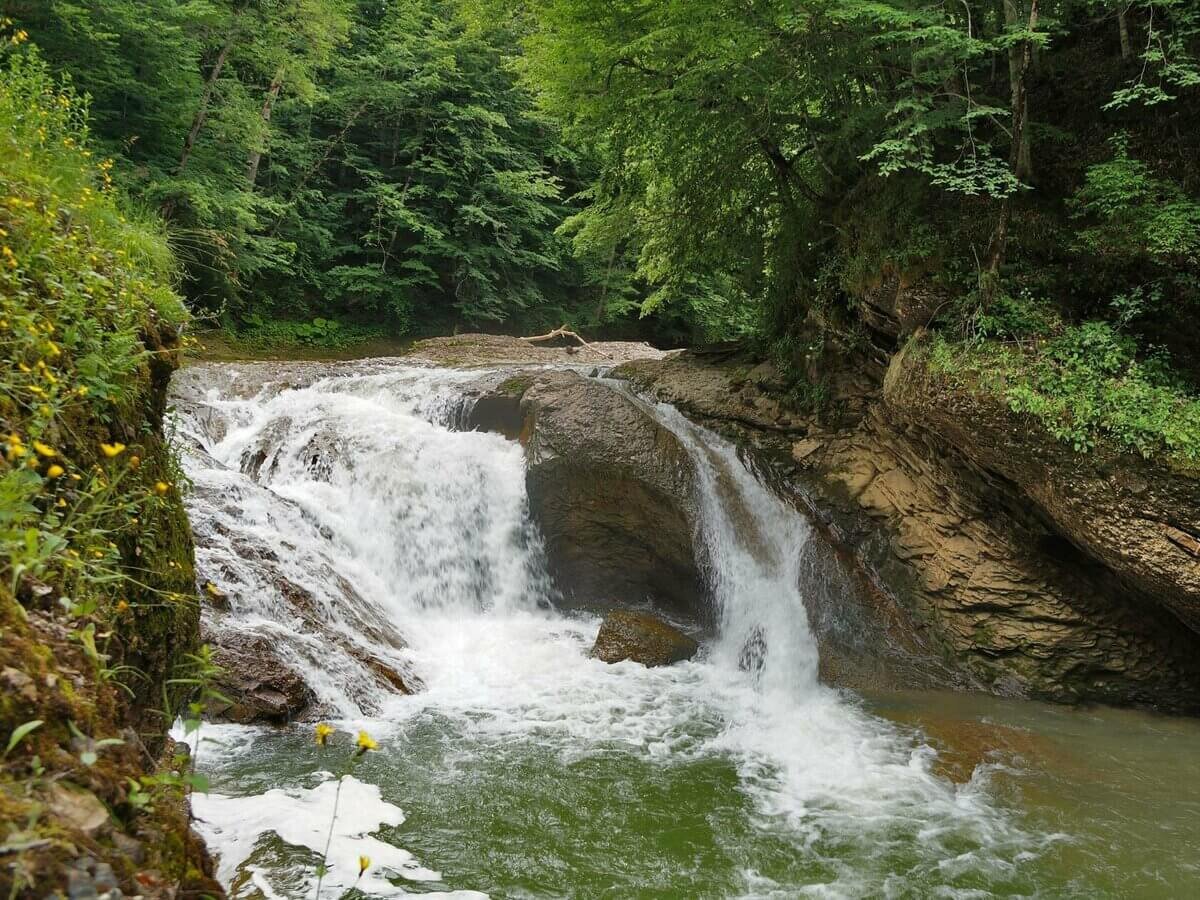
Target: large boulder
612,491
642,638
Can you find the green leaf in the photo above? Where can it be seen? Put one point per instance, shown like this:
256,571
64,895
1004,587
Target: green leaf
20,733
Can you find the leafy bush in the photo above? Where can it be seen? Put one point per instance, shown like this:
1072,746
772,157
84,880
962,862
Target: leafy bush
1085,385
1137,214
328,334
1014,318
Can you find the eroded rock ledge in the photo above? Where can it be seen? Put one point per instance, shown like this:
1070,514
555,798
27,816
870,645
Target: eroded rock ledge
1028,569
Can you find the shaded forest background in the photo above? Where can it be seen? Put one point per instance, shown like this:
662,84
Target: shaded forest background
1018,178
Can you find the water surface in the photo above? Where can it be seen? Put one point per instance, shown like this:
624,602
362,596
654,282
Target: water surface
526,769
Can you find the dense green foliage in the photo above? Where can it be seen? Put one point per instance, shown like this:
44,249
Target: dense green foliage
317,160
859,170
801,172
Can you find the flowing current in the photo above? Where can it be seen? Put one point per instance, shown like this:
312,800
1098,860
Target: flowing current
363,541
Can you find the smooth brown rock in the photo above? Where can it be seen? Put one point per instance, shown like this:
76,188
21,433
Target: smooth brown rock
642,638
612,491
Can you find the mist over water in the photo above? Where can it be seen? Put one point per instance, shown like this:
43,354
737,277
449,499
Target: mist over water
524,767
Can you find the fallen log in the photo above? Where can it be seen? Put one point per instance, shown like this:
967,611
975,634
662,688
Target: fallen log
563,332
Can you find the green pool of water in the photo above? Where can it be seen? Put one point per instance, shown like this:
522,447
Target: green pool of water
1090,804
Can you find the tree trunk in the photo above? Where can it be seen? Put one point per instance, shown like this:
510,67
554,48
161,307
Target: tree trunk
256,154
1018,155
210,87
1123,27
1019,59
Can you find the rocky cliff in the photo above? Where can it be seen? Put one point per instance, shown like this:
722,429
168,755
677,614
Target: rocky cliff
1022,567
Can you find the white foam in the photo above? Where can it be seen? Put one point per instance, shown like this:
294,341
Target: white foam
233,826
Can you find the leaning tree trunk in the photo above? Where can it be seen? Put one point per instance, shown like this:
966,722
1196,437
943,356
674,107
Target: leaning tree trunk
256,154
1123,29
201,116
210,87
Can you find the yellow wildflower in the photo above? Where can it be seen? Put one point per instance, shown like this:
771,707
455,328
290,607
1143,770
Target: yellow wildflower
82,390
112,450
366,742
161,488
53,349
134,462
44,449
122,606
364,863
55,471
16,451
324,733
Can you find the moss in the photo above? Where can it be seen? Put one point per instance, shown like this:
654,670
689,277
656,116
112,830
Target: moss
515,386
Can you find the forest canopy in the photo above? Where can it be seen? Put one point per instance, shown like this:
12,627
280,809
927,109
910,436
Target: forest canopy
1021,177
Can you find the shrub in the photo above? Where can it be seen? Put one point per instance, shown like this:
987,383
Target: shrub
1085,384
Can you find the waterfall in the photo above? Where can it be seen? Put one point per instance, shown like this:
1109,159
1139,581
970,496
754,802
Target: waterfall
349,522
752,544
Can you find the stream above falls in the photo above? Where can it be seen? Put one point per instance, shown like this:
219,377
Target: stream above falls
523,768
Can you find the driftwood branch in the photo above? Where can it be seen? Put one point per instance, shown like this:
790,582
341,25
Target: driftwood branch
562,332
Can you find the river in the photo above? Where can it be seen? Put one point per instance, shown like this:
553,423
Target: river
524,768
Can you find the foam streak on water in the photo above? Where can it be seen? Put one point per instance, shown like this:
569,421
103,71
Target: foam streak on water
350,484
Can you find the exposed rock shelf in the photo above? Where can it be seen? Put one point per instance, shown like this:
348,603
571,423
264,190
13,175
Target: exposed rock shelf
1028,568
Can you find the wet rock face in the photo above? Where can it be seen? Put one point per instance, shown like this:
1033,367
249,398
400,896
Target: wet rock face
642,638
612,492
261,688
989,557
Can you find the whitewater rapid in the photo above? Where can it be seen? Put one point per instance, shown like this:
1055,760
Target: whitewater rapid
414,543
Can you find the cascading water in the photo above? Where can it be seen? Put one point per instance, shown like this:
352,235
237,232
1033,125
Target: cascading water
525,768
